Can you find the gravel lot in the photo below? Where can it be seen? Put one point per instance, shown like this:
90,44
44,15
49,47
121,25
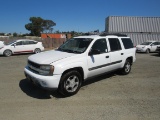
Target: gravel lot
108,97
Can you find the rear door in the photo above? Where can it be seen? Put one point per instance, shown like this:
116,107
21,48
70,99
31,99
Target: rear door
116,53
29,46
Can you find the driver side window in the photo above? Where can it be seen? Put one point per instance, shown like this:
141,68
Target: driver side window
19,43
100,45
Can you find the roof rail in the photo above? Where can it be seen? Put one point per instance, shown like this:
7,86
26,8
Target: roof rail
115,34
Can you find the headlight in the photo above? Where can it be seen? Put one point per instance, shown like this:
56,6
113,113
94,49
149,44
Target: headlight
46,70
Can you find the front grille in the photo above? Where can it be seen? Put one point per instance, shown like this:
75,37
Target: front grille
33,66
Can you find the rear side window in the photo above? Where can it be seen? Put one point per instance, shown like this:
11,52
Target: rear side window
127,42
33,42
114,44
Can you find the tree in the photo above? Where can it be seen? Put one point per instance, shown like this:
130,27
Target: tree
2,34
15,34
47,25
38,25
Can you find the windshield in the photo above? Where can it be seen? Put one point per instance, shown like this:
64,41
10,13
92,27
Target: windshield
75,45
146,43
10,42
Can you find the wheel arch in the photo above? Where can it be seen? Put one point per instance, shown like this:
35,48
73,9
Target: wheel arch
149,50
78,69
131,59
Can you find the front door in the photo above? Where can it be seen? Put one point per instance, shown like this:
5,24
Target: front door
154,46
18,47
98,63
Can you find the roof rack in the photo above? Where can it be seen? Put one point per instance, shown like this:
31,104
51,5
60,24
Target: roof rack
115,34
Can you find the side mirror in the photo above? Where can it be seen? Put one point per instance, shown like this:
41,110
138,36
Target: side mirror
13,45
94,52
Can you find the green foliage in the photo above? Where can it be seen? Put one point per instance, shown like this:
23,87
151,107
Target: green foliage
47,25
2,34
38,25
15,34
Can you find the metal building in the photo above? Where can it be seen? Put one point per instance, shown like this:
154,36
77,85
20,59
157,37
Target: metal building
140,29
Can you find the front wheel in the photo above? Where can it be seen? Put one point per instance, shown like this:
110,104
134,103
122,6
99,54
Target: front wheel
147,51
70,83
7,53
127,67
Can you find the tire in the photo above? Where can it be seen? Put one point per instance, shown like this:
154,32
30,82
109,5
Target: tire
70,83
37,50
147,51
127,67
7,53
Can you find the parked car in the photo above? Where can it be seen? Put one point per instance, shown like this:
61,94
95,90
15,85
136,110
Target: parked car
78,59
147,47
21,46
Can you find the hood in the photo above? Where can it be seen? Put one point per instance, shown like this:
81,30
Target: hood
49,57
140,46
1,44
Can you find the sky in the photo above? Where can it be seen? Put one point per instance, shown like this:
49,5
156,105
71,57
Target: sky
71,15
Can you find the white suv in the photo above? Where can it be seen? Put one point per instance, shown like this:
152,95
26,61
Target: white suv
78,59
147,47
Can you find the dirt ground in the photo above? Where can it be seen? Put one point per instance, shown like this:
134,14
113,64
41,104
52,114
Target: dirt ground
108,97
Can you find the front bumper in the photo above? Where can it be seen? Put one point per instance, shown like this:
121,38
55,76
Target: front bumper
140,50
46,82
1,52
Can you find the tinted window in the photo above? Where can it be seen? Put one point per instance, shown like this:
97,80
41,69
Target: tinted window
32,42
156,43
127,43
100,45
25,42
146,43
114,44
19,43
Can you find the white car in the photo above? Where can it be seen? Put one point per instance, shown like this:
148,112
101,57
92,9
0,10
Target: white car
78,59
147,47
21,46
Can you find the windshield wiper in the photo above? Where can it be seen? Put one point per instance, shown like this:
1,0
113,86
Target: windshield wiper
67,50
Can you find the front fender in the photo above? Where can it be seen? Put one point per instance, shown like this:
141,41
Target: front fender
60,69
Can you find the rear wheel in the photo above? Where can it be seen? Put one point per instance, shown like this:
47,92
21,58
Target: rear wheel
127,67
37,50
7,53
70,83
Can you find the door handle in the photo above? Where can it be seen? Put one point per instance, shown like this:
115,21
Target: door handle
122,53
107,56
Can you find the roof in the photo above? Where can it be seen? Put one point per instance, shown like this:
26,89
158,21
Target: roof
103,35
